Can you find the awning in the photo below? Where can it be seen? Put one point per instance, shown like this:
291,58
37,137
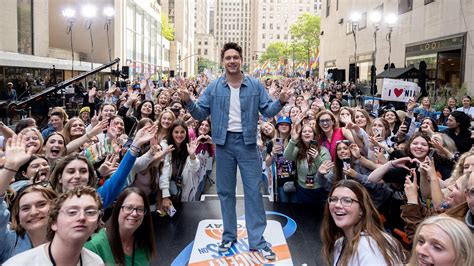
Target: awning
399,73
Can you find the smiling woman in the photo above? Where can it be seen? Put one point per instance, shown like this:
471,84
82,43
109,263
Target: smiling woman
442,240
351,230
128,237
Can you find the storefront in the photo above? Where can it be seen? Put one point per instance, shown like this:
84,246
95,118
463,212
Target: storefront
444,58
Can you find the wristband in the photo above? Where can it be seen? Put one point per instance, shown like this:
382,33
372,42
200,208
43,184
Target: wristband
11,170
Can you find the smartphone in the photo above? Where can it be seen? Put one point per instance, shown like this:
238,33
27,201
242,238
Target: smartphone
171,211
279,141
407,123
377,132
432,152
313,143
346,162
309,182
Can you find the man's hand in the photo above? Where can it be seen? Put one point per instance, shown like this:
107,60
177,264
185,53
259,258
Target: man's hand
287,91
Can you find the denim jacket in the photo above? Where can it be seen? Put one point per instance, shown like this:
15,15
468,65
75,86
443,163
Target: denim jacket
215,101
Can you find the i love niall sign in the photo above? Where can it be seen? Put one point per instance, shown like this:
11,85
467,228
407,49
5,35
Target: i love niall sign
399,90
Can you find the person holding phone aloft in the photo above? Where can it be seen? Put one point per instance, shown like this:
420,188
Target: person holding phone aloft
308,155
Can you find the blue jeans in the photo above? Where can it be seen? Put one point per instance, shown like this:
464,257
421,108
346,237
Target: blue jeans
234,152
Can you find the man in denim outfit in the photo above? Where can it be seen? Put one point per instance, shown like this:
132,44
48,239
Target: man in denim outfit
234,102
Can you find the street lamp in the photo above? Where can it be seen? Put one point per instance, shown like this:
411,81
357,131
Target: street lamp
375,17
355,18
69,14
390,20
89,12
108,14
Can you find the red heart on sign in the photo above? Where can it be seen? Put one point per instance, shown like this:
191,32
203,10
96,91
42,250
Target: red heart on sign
398,92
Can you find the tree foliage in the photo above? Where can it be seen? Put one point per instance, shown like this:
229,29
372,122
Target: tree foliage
274,53
166,30
306,30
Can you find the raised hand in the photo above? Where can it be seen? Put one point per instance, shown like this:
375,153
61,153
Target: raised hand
295,131
144,135
411,188
355,150
16,153
101,126
312,153
287,91
109,166
192,146
325,167
411,105
95,118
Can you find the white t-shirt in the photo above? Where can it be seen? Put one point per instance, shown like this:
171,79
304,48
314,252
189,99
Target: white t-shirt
38,257
367,252
469,111
235,118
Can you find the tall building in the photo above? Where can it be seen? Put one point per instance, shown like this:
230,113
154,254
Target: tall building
233,24
271,21
181,18
440,33
204,43
39,37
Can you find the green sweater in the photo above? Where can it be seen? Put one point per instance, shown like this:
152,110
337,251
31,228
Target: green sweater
291,152
99,244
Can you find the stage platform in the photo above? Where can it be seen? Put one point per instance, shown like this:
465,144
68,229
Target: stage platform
175,236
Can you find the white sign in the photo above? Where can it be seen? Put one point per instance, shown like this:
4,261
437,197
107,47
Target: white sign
209,234
399,90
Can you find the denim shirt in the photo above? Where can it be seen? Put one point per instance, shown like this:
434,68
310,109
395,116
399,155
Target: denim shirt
215,101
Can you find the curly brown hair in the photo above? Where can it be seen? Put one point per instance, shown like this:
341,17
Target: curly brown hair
59,201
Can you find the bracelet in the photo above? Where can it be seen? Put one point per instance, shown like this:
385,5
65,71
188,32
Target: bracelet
88,137
11,170
358,157
391,164
135,147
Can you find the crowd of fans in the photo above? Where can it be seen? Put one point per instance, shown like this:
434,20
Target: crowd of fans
389,178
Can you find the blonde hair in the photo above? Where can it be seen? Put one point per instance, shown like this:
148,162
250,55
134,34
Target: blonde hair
459,234
459,167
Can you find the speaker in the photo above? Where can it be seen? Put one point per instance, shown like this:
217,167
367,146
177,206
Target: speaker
353,72
307,74
125,72
339,75
172,73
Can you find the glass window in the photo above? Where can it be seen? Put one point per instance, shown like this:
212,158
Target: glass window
130,44
404,6
138,19
25,26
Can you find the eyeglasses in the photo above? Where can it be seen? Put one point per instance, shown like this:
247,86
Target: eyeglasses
470,192
345,141
345,201
325,121
128,209
90,214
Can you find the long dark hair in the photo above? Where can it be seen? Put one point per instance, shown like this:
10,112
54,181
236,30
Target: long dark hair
369,224
138,111
179,154
144,237
338,163
303,148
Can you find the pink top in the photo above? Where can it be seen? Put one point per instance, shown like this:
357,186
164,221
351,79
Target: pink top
331,144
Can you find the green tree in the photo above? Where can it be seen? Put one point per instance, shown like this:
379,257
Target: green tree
204,63
166,30
274,52
306,30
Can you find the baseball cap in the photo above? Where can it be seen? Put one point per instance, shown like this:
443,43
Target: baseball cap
283,119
